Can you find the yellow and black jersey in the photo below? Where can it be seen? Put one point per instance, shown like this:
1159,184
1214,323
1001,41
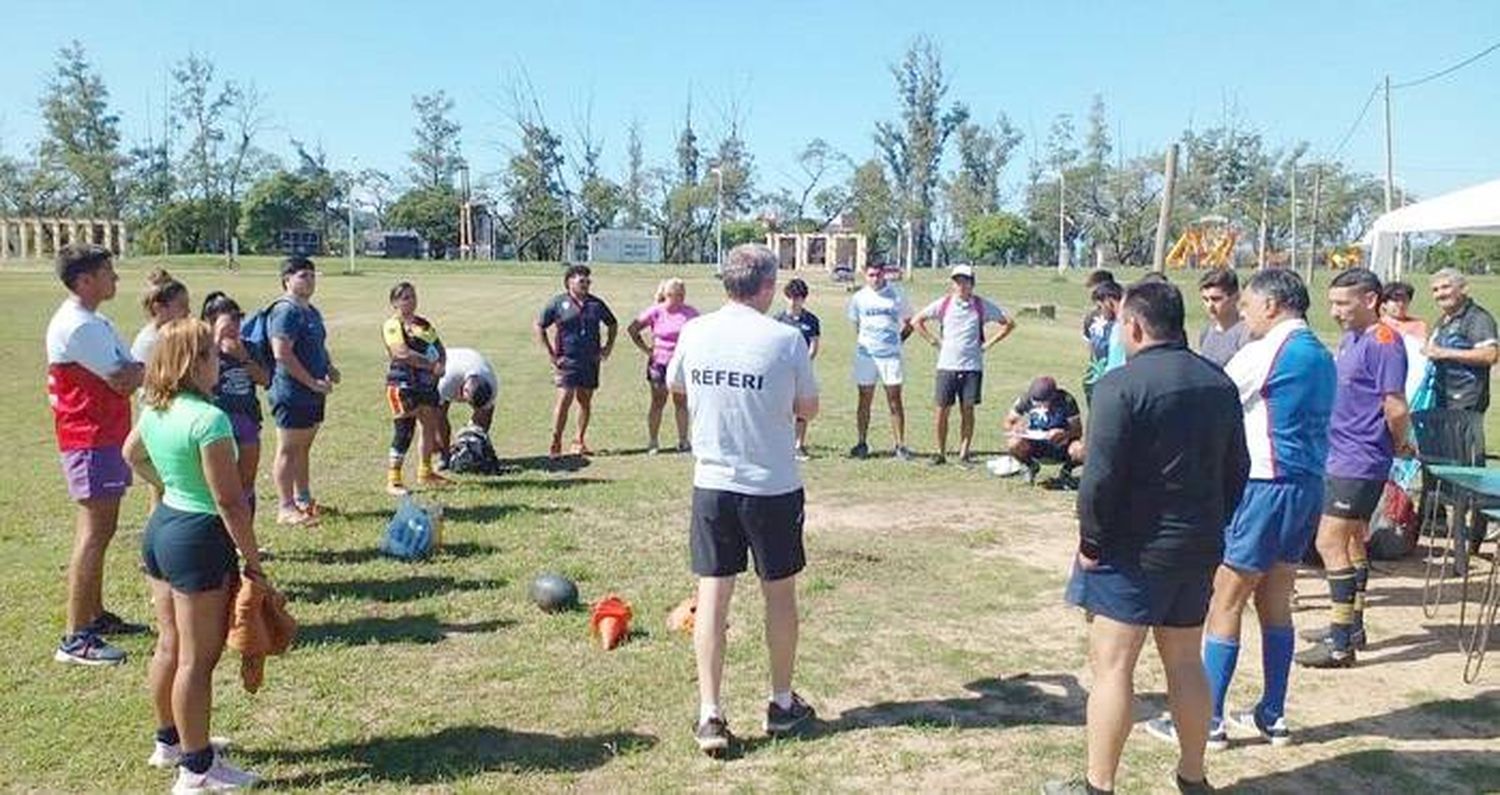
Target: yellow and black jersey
421,338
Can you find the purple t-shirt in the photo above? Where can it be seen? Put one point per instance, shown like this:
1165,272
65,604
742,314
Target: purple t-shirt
1371,365
665,324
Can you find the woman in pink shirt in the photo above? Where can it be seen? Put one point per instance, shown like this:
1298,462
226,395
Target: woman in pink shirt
664,320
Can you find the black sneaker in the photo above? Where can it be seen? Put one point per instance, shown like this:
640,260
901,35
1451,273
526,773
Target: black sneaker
939,460
785,721
713,736
1324,634
110,624
1199,787
860,450
1032,470
1324,655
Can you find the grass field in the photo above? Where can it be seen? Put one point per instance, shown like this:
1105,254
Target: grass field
935,643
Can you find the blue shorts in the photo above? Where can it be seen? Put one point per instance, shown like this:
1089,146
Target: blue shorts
1275,522
1129,595
298,414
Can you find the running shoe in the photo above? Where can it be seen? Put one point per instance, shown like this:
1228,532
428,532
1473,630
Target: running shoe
1324,655
1324,634
1162,728
785,721
1199,787
860,450
939,460
110,624
902,453
801,453
713,736
220,777
1278,734
86,648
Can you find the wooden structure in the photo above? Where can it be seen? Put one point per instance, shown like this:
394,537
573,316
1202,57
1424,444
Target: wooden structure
26,238
826,250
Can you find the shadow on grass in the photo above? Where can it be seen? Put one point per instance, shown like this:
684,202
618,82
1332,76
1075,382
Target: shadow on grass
337,557
1384,770
1476,717
493,512
542,463
401,590
536,483
425,628
1022,699
451,754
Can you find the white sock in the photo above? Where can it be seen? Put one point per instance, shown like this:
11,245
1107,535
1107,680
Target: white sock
782,699
709,711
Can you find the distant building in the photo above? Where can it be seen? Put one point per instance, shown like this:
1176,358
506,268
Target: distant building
393,244
300,242
624,245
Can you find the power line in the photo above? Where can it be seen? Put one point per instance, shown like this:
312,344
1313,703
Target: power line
1451,69
1357,119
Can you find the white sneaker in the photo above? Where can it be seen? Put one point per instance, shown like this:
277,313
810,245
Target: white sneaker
220,777
167,756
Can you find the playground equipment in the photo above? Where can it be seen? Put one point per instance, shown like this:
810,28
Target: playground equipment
1206,243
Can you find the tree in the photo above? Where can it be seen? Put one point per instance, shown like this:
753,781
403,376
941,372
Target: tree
635,189
534,192
914,149
431,212
995,238
199,109
436,159
379,191
871,203
82,138
281,200
817,161
743,231
973,189
737,170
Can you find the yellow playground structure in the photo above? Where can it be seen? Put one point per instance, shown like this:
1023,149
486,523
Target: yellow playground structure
1207,243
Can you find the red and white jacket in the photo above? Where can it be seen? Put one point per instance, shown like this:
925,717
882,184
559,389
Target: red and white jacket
83,349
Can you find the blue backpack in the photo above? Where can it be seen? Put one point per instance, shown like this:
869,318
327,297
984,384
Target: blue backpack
255,333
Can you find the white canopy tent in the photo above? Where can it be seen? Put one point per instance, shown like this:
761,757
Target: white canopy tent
1471,211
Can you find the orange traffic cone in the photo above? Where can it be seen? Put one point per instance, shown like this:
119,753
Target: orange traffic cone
610,621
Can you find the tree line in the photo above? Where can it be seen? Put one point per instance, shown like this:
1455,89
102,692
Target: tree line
933,186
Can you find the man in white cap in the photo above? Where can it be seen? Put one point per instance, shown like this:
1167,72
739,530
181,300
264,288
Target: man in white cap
962,316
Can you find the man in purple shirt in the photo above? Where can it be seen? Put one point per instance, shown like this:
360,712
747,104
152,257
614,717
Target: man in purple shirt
1370,424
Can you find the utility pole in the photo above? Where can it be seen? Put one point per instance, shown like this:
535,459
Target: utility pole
1062,242
1164,220
1294,215
1312,258
1390,182
349,203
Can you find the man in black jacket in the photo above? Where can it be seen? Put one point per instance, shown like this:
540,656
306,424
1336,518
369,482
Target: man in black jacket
1166,466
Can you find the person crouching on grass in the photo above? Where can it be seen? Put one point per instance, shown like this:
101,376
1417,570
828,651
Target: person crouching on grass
239,375
411,387
746,377
664,319
1167,463
184,446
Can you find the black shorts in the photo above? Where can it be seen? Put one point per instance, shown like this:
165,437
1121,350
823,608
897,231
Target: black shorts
1351,498
962,386
726,526
299,413
405,399
1130,595
191,551
581,373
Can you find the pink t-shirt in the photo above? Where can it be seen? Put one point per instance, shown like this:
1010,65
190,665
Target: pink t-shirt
665,324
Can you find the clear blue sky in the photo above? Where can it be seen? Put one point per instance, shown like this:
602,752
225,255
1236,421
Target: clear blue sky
343,73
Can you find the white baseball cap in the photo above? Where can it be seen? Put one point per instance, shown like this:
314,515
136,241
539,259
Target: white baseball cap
961,270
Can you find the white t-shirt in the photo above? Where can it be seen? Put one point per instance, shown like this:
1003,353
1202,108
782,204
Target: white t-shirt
463,363
81,336
879,315
961,347
145,340
742,371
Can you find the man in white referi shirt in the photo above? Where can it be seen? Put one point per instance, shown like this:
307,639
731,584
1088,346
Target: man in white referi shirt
747,379
960,366
882,321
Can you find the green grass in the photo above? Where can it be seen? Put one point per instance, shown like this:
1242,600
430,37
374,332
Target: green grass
939,654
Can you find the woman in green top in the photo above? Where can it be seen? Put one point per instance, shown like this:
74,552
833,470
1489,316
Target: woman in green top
184,446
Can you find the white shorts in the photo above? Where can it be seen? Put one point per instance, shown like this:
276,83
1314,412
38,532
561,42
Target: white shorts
868,370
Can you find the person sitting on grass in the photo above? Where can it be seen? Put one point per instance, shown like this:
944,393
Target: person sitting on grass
417,360
184,446
801,318
1044,426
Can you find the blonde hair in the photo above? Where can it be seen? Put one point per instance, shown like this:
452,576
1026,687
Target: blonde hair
161,289
169,369
667,286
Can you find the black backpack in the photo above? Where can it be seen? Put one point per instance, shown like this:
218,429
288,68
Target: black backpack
472,453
